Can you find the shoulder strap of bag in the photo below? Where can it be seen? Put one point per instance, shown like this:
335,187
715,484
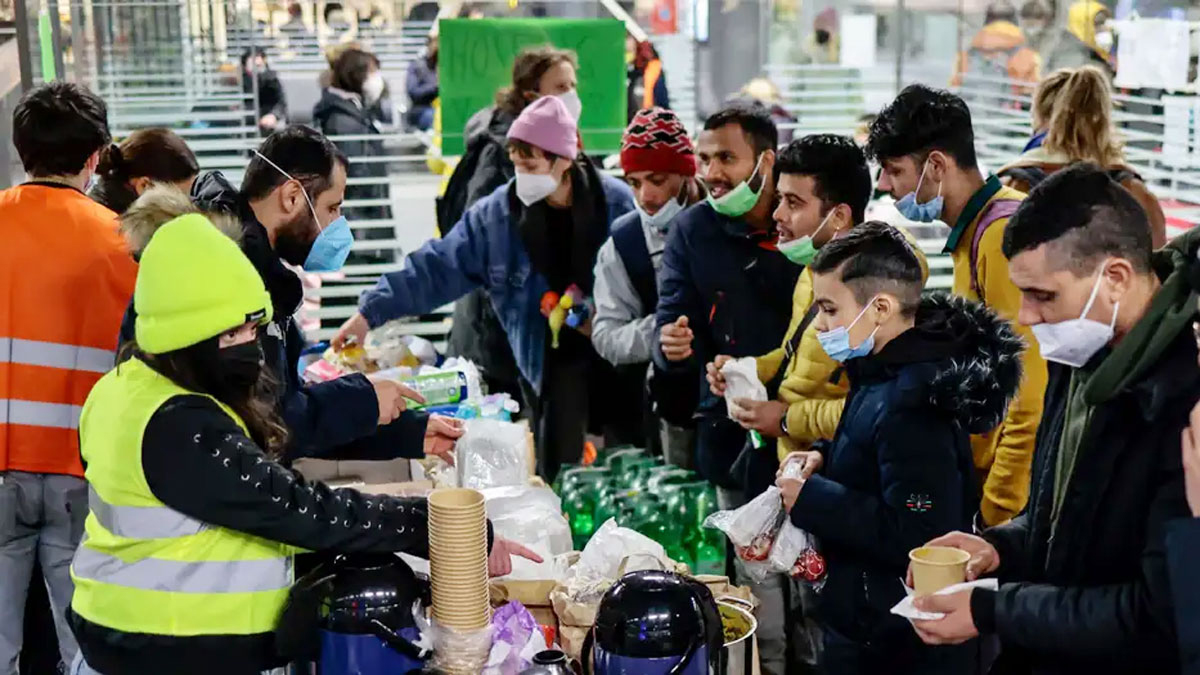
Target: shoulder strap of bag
1001,208
630,242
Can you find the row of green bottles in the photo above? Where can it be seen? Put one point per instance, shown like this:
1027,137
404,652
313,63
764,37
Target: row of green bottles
666,503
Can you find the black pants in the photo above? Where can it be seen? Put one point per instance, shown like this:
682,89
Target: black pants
578,398
905,656
719,441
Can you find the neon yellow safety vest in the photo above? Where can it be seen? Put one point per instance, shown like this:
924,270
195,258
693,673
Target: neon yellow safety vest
143,567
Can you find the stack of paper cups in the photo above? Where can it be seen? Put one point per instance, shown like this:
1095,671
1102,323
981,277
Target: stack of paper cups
458,559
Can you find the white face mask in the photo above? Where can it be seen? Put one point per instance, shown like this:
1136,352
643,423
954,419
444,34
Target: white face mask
1075,341
373,87
1104,40
534,187
660,220
574,105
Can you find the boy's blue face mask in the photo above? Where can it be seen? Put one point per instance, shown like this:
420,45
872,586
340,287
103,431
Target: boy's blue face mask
921,213
836,342
332,245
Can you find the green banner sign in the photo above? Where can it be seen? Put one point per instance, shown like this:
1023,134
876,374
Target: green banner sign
475,59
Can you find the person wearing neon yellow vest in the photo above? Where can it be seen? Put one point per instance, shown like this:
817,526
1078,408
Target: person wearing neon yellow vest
186,560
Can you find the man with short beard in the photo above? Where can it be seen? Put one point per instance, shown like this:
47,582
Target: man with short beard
289,206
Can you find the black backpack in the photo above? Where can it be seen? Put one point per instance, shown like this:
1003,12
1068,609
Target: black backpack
674,396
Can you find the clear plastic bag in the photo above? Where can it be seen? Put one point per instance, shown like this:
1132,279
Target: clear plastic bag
752,530
532,516
795,551
491,453
765,540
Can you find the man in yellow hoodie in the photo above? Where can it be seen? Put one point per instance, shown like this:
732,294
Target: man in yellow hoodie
926,145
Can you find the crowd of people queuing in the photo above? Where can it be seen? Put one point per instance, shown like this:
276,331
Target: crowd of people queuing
1043,415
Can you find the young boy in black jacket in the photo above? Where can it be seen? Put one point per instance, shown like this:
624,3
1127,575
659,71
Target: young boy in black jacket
924,374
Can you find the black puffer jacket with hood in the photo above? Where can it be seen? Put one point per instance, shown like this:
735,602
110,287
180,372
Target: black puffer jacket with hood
899,471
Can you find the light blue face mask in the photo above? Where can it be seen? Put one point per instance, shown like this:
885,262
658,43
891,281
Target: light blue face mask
921,213
836,342
332,245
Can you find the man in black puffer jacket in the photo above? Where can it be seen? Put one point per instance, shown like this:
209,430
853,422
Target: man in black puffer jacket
924,375
1083,571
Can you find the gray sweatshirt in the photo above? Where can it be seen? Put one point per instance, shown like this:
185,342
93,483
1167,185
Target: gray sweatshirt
623,330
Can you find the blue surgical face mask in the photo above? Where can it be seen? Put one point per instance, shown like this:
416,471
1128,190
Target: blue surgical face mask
332,245
836,342
921,213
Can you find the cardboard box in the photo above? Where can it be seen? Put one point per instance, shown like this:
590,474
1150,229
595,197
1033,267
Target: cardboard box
412,488
534,594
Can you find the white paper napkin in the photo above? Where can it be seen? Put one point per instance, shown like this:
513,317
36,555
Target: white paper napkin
906,609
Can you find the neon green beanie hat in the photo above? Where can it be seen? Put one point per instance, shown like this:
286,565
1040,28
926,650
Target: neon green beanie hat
194,283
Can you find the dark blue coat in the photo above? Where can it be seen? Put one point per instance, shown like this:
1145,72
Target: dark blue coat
899,472
736,290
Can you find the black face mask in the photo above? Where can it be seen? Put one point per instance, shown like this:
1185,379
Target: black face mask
822,37
230,374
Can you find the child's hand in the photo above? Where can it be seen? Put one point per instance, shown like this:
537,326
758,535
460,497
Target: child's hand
790,490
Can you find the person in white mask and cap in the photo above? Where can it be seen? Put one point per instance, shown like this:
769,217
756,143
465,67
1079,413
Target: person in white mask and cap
660,166
1083,580
532,239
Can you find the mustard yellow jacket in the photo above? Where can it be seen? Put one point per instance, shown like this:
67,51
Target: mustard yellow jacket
1003,457
810,389
814,386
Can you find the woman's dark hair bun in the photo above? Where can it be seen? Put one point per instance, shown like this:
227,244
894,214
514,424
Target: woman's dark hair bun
112,163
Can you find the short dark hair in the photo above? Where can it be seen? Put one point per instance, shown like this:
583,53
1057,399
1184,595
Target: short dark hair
57,127
1000,10
873,258
920,121
330,8
755,121
252,52
838,168
350,69
302,152
1087,215
525,149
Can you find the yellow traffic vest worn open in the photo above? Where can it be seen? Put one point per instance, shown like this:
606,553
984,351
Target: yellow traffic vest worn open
143,567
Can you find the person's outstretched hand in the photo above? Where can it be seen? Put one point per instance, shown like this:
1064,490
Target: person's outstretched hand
985,559
716,381
500,559
441,433
355,327
391,396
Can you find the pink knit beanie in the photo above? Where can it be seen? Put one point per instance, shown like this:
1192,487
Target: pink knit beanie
547,124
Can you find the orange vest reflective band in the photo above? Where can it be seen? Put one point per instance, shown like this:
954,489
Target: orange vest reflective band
66,277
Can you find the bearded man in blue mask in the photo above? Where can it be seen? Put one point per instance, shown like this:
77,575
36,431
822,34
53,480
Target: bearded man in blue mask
925,145
1083,575
289,207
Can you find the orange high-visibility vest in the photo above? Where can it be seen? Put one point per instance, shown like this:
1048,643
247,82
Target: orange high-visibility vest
66,276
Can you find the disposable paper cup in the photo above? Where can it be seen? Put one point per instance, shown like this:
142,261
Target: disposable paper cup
455,499
936,567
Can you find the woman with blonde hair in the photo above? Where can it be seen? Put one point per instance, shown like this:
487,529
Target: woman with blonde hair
1072,118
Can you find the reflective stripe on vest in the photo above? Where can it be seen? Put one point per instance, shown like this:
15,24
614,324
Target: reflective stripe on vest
142,522
56,355
144,567
154,574
39,414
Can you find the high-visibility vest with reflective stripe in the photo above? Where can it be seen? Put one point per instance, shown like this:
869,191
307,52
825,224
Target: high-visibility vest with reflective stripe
142,566
66,276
